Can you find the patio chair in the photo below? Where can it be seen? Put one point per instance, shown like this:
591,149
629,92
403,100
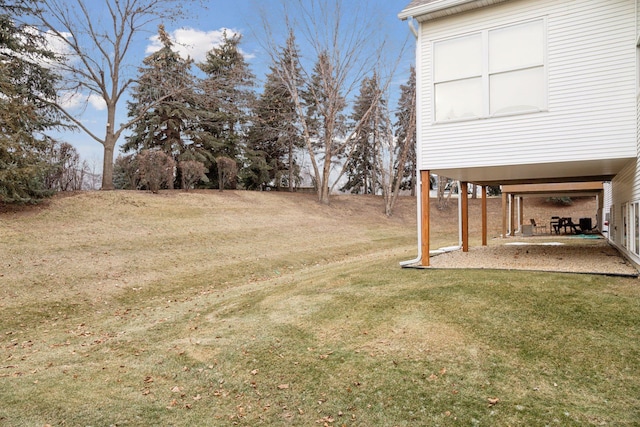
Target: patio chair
538,228
555,224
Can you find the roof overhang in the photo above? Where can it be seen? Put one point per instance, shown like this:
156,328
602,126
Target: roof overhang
578,171
439,8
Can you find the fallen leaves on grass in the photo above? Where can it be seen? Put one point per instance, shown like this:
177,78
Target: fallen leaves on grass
493,401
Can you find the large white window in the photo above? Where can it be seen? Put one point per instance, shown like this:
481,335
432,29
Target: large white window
490,73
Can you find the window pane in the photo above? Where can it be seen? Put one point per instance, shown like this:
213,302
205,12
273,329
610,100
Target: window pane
517,46
459,99
517,91
458,58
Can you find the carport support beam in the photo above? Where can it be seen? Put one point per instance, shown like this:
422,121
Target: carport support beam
520,213
484,215
512,215
424,217
504,214
464,221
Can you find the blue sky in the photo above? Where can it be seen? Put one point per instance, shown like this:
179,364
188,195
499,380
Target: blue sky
202,30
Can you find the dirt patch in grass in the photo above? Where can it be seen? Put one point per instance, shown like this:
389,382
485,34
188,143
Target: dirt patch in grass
564,254
542,252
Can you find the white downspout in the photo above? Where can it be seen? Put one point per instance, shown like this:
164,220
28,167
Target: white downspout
412,27
419,183
418,259
459,215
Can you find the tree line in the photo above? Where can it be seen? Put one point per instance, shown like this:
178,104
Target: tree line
201,125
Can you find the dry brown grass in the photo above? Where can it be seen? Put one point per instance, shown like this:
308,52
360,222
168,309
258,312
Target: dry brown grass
94,245
241,308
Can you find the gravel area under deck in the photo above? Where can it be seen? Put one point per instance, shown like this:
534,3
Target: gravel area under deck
576,254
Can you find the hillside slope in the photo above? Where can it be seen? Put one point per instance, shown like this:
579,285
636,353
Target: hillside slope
93,243
244,309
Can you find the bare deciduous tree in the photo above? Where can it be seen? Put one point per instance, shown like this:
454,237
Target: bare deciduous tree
443,182
344,45
192,172
227,171
400,148
396,153
97,43
156,169
65,171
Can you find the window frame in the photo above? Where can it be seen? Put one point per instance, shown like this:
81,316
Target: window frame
636,228
624,210
487,73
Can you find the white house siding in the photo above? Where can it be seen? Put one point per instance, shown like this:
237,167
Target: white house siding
607,202
625,195
591,69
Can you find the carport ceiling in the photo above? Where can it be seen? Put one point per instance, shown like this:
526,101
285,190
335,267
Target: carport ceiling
583,171
570,189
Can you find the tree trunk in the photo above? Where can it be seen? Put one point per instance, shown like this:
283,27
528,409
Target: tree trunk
107,163
413,185
323,190
290,166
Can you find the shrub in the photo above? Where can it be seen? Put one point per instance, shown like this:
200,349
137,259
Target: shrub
192,172
227,171
156,169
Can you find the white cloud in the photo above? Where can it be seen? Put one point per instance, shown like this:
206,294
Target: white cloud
73,100
69,100
97,102
56,45
190,42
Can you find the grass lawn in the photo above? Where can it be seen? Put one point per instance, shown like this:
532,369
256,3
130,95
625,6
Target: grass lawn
243,308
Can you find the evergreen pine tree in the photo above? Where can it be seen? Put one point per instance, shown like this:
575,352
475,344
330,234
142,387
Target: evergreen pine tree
274,138
406,132
325,121
225,102
362,165
324,105
166,80
26,95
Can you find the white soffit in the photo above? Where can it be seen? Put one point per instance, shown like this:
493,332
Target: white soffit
440,8
597,170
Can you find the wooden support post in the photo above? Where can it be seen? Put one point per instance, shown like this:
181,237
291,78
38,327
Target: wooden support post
465,216
504,215
484,215
424,217
520,212
600,215
512,220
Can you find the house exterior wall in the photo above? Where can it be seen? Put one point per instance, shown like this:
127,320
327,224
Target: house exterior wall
605,212
590,67
624,211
